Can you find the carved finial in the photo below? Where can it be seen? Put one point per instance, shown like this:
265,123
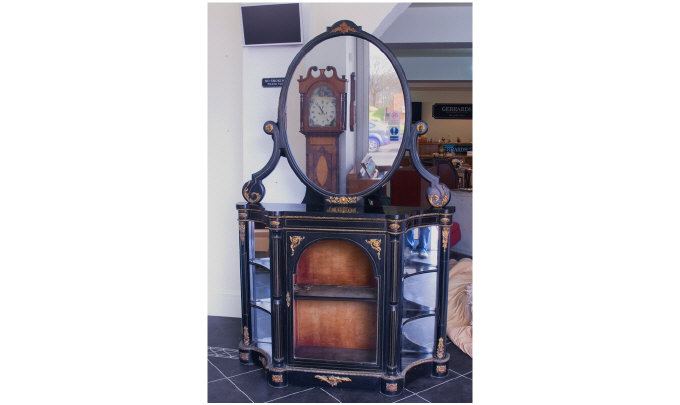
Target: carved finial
343,27
253,192
421,128
269,127
438,195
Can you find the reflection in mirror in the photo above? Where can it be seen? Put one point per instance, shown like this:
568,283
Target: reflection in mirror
345,115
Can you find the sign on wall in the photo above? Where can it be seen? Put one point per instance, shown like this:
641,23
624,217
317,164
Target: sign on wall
458,148
273,81
452,111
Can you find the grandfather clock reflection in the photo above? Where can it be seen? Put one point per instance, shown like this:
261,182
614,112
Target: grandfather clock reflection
323,102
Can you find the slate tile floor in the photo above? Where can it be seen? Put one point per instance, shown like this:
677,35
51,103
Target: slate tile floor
230,381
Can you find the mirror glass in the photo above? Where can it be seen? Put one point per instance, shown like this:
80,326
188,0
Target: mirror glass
345,143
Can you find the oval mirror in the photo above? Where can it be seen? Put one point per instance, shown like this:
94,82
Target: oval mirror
344,116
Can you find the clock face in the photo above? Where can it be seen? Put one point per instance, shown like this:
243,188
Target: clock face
322,107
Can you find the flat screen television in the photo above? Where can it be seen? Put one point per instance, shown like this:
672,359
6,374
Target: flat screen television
417,110
273,24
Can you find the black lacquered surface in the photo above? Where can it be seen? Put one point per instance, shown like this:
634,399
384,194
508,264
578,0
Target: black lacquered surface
231,381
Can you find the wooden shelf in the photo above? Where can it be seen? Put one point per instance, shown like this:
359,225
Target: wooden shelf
336,354
335,292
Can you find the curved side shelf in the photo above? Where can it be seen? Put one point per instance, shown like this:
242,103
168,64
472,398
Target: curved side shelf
264,262
264,304
262,322
420,290
418,334
265,346
413,310
410,271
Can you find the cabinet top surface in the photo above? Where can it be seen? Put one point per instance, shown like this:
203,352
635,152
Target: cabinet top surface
339,210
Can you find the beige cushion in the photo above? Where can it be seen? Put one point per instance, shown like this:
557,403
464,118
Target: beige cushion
459,312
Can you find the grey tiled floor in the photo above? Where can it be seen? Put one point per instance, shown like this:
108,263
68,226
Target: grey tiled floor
230,381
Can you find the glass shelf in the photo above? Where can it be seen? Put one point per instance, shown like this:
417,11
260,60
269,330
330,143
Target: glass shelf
266,346
259,279
263,262
418,334
264,304
417,268
408,357
261,325
335,292
421,290
412,310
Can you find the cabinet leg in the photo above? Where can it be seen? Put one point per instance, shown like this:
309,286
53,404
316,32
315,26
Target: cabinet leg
245,356
392,386
440,370
277,378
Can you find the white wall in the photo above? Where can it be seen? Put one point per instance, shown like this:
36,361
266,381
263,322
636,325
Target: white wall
225,156
238,147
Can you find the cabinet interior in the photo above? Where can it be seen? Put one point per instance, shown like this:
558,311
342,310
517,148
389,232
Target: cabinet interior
336,303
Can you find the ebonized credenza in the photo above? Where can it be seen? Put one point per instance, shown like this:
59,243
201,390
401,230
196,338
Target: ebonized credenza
335,298
350,290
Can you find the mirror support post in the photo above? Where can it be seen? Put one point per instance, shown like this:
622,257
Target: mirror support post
438,194
253,191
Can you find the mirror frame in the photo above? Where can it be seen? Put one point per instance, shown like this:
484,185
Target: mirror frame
340,29
253,190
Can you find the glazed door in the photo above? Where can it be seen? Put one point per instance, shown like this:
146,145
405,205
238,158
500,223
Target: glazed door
335,287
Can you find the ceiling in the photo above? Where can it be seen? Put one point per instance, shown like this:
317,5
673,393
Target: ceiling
433,41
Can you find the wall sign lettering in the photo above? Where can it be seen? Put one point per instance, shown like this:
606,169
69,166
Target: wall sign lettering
273,81
458,148
452,111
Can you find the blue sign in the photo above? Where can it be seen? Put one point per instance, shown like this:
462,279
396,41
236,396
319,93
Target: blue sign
394,131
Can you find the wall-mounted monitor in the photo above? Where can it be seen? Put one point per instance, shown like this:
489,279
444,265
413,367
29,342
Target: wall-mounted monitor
273,24
417,110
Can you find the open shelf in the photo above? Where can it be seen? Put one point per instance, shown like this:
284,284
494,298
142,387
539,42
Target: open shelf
264,304
418,333
266,346
335,292
335,354
421,289
416,268
262,262
409,357
412,310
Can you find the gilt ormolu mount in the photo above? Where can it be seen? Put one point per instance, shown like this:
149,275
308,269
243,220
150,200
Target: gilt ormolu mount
335,300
